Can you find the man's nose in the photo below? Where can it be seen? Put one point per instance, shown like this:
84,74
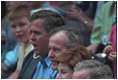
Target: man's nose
18,29
32,37
51,53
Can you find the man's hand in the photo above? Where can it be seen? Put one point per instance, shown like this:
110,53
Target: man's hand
112,56
108,49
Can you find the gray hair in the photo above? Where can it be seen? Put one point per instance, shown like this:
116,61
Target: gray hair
97,70
74,36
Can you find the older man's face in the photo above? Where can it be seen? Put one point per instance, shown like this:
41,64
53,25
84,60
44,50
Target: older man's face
57,45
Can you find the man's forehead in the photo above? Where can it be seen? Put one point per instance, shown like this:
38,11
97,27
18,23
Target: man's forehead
60,34
58,39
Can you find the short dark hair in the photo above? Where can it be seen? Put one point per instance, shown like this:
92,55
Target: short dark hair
97,70
51,19
74,36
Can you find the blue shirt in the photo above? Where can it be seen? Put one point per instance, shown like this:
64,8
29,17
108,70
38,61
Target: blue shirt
44,70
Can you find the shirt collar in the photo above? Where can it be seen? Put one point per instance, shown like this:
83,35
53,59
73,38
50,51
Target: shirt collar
47,61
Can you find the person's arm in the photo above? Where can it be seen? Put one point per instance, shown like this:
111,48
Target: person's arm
92,48
14,75
88,23
78,15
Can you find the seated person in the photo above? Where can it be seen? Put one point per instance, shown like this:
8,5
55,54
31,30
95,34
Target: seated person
37,65
62,39
19,20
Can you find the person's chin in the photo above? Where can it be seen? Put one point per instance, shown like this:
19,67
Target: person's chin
54,66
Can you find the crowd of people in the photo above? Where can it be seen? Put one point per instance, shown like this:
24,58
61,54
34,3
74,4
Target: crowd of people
59,40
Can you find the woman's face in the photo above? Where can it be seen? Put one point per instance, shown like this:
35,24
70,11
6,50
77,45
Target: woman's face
65,72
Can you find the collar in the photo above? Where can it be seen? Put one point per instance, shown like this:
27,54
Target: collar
26,48
47,61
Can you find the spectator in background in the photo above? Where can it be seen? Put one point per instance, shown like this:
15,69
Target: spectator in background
84,12
102,27
92,69
68,59
62,39
79,15
79,11
37,64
